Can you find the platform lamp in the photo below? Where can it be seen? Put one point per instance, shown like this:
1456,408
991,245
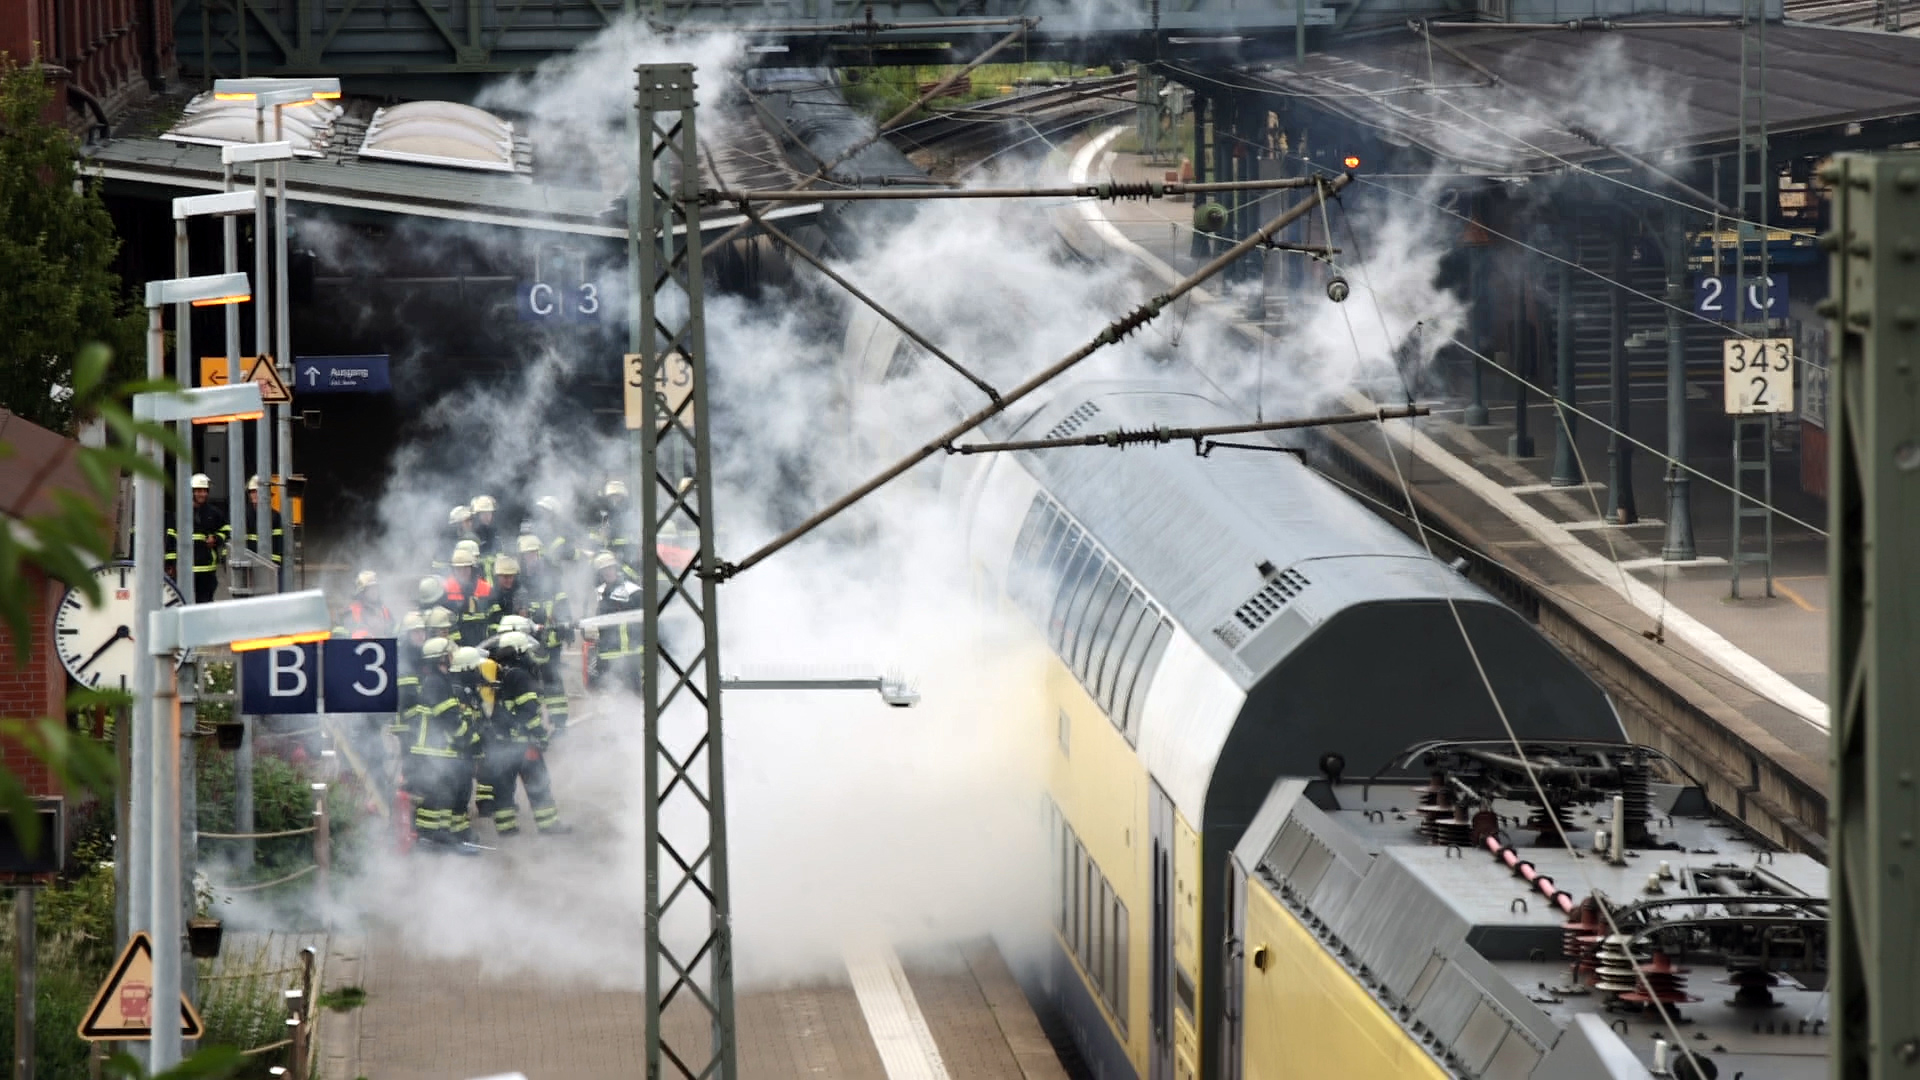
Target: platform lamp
149,547
260,622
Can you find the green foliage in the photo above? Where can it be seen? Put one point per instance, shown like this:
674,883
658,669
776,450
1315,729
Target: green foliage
64,987
881,92
342,999
57,246
213,1063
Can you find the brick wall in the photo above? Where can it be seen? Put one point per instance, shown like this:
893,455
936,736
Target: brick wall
37,688
115,51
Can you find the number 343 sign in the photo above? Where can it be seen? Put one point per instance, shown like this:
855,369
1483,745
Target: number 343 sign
1759,375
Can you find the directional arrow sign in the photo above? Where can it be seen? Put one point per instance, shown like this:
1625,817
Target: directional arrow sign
123,1009
273,391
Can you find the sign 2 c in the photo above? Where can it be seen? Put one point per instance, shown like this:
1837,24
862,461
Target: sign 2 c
1713,297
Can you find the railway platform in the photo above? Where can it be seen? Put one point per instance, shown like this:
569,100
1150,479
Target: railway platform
1733,688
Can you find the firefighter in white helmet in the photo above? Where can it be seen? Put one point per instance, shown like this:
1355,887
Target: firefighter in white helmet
211,532
469,595
459,527
514,743
274,530
617,648
481,523
618,525
367,615
439,747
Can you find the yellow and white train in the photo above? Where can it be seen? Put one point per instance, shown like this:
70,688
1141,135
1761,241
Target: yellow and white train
1290,834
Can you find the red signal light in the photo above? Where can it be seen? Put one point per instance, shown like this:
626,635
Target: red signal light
1353,161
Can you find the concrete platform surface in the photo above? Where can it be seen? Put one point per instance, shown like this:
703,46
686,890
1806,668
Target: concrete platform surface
428,1018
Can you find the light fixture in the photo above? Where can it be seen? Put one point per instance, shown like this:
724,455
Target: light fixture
203,405
260,622
199,291
247,153
326,89
278,640
220,204
1352,161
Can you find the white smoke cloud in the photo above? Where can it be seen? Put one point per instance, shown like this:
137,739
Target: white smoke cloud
847,819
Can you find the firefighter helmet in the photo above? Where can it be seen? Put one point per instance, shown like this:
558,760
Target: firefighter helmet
202,482
458,515
515,624
605,560
253,482
531,545
367,579
467,658
615,487
436,648
505,564
483,504
431,591
548,503
439,618
412,621
463,557
514,644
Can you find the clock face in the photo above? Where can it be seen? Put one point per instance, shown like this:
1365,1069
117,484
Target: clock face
96,644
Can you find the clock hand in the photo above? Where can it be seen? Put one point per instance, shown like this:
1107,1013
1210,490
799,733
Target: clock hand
123,632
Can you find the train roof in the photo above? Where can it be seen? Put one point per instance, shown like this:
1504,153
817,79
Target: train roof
1195,532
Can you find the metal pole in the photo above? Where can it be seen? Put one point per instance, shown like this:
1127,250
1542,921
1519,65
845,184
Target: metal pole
283,358
25,958
1477,317
149,558
1620,507
689,921
1566,463
322,848
1679,546
262,338
189,672
243,791
1520,443
165,874
236,435
1873,499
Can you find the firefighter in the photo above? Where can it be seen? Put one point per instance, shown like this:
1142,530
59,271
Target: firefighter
367,616
552,615
550,525
440,741
481,524
413,636
429,594
617,648
274,531
508,595
618,528
210,535
515,744
470,597
475,686
459,527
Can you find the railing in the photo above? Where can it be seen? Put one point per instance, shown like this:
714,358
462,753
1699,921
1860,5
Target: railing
322,832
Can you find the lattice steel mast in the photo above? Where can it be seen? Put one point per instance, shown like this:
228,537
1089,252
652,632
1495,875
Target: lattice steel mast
689,922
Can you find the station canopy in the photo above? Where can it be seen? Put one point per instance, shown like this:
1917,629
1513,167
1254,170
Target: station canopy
1671,92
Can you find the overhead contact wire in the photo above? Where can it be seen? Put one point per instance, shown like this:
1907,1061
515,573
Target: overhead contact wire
1115,332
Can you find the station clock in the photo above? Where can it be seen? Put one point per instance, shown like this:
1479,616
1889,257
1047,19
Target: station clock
96,643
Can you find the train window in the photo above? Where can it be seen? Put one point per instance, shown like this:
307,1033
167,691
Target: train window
1103,943
1103,623
1122,636
1119,997
1082,617
1089,913
1037,597
1183,991
1085,564
1063,881
1137,698
1138,640
1032,532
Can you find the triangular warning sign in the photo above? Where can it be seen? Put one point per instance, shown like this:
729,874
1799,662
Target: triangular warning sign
273,391
123,1009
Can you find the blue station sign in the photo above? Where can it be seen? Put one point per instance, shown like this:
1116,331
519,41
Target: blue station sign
341,375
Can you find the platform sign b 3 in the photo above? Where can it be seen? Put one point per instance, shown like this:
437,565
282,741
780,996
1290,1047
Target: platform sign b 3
1759,375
